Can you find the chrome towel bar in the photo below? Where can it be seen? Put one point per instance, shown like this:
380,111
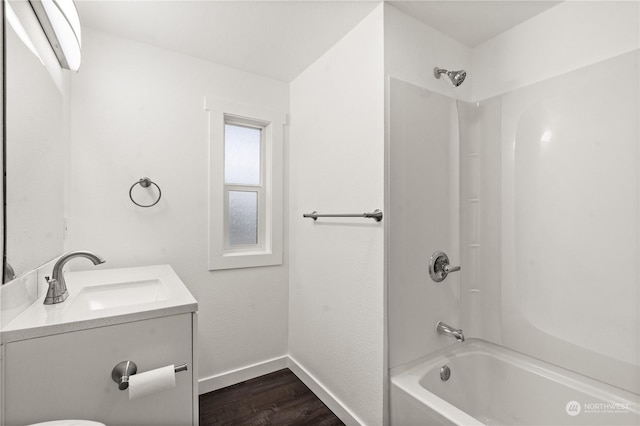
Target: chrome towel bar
376,215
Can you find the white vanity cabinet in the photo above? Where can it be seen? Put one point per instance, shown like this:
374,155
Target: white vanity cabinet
57,360
67,376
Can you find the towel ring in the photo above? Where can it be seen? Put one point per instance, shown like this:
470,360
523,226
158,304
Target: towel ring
145,182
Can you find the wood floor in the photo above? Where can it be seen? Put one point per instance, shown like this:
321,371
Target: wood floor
279,398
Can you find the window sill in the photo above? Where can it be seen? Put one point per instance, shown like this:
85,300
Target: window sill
247,259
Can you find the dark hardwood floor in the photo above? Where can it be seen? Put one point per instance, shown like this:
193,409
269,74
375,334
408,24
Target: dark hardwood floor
279,398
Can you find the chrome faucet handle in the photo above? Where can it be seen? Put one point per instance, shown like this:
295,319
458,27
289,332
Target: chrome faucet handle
449,268
57,292
439,266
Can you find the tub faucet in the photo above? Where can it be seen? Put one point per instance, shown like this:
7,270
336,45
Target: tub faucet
57,292
447,330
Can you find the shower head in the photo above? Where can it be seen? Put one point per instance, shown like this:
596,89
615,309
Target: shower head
457,77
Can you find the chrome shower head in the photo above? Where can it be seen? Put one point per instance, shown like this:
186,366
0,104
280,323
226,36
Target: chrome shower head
456,77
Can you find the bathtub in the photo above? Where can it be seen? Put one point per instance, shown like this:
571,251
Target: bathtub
491,385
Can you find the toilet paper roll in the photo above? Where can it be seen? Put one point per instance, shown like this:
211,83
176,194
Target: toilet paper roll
152,381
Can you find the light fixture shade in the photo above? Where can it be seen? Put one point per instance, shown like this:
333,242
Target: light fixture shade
14,22
60,22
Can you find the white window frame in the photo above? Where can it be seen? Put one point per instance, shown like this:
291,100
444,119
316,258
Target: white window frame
268,251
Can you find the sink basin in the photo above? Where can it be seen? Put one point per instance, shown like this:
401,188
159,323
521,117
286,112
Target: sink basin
108,296
104,297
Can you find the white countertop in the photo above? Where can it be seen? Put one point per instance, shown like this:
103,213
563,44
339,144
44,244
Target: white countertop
42,320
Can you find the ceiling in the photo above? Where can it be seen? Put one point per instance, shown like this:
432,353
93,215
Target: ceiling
473,22
276,39
279,39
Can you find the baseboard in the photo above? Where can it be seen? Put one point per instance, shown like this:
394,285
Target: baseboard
228,378
328,398
219,381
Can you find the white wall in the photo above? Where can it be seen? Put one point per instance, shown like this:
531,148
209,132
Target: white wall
336,319
564,38
412,49
137,111
561,39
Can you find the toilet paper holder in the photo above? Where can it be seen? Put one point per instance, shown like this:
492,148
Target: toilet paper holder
121,372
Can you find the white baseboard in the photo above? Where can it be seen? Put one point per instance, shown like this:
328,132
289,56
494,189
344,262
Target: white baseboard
233,377
325,395
228,378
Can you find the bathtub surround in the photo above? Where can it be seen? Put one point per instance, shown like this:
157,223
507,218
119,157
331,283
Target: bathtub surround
574,313
530,160
410,45
422,148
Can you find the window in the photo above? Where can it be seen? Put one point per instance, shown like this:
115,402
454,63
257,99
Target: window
245,212
243,183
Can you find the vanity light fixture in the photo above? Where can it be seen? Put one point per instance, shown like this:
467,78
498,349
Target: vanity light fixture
61,24
13,20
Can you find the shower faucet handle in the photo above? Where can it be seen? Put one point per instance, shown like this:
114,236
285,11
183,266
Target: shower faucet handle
449,268
439,266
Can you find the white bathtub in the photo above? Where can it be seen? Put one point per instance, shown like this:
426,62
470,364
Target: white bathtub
491,385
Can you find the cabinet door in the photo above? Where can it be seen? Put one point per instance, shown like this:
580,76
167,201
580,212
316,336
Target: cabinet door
68,376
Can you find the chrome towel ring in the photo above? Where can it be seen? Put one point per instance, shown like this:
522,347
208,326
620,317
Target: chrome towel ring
145,182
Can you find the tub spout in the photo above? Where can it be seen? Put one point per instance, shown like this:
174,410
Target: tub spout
447,330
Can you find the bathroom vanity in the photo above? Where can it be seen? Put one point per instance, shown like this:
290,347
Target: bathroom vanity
57,360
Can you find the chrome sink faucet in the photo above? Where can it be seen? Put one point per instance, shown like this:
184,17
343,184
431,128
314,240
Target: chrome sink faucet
57,292
447,330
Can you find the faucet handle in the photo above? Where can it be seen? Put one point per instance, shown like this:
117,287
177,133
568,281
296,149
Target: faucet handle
439,266
448,268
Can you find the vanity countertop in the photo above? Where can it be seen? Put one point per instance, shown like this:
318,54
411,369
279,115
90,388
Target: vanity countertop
99,298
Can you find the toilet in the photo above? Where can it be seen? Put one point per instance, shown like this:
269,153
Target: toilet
69,423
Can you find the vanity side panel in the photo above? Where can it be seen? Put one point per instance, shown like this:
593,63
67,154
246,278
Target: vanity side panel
69,375
194,371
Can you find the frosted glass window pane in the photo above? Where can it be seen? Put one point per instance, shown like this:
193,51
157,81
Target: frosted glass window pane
241,155
243,218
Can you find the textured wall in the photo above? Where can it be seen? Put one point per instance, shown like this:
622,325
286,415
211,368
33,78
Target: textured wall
139,111
336,322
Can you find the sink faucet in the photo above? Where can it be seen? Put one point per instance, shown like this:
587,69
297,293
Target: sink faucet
447,330
57,292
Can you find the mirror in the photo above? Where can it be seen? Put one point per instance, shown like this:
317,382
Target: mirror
35,143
